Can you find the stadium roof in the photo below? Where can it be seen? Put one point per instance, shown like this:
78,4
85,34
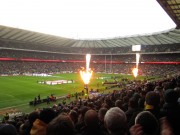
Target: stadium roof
172,7
172,36
24,36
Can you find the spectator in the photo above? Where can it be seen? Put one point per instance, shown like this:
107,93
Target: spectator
101,115
116,122
171,109
7,129
152,102
91,124
165,127
74,116
40,125
132,108
81,122
26,127
149,123
61,125
119,104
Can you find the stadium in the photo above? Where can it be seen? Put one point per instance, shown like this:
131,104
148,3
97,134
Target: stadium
43,90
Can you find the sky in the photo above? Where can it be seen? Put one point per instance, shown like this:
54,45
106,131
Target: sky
86,19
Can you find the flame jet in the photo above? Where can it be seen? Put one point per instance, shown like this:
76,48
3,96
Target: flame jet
135,70
87,73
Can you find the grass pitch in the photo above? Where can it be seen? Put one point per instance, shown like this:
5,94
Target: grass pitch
17,91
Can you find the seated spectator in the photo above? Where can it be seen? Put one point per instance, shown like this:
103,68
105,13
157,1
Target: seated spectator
171,109
152,101
7,129
26,127
91,124
40,125
132,108
101,114
74,116
171,99
81,122
125,103
177,89
6,117
119,103
149,123
142,100
116,122
165,127
61,125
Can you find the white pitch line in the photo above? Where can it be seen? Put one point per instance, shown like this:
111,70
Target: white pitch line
13,106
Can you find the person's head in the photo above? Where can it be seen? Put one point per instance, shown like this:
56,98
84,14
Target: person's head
74,116
149,123
177,89
116,121
83,110
136,96
101,114
133,103
125,99
152,98
46,115
33,116
91,118
7,129
61,125
167,85
119,103
171,96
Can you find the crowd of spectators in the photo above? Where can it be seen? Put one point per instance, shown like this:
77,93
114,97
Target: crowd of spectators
99,63
20,68
140,108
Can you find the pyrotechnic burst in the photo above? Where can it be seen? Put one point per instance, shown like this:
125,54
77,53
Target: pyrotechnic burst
86,74
137,59
135,70
136,48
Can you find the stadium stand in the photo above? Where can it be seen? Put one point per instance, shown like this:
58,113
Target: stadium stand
19,62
